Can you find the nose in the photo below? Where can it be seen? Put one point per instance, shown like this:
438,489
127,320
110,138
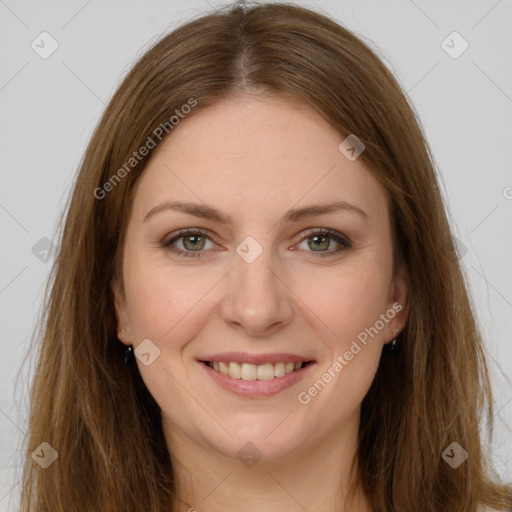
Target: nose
258,300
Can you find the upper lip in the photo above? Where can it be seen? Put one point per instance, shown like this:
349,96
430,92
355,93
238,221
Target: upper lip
257,359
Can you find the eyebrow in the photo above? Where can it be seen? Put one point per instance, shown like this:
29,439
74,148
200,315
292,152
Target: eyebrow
208,212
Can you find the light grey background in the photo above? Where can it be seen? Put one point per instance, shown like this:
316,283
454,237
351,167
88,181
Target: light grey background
50,106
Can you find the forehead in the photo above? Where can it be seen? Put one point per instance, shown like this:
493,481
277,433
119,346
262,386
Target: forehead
256,155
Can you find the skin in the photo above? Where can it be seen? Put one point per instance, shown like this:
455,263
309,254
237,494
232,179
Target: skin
255,158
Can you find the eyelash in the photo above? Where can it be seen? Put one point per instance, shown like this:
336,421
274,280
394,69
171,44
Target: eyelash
342,240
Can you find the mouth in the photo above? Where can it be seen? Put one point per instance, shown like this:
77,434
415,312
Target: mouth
247,371
251,380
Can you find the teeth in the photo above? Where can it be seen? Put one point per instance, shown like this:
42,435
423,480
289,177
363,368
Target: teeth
234,370
265,371
279,369
248,371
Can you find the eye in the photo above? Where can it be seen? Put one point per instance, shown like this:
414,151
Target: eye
193,241
319,239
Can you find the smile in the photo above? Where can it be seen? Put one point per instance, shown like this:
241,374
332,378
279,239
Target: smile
247,371
256,381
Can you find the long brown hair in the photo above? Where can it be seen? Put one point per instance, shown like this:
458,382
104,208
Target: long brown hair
95,411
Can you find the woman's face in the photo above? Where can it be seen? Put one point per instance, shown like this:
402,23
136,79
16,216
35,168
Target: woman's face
257,281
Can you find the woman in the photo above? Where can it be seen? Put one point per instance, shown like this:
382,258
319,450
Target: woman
257,303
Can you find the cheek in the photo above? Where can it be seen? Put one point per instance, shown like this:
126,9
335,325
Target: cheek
160,296
350,308
346,300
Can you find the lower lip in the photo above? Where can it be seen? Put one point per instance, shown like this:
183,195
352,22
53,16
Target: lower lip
257,388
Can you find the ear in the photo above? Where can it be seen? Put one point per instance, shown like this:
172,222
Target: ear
399,303
123,320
